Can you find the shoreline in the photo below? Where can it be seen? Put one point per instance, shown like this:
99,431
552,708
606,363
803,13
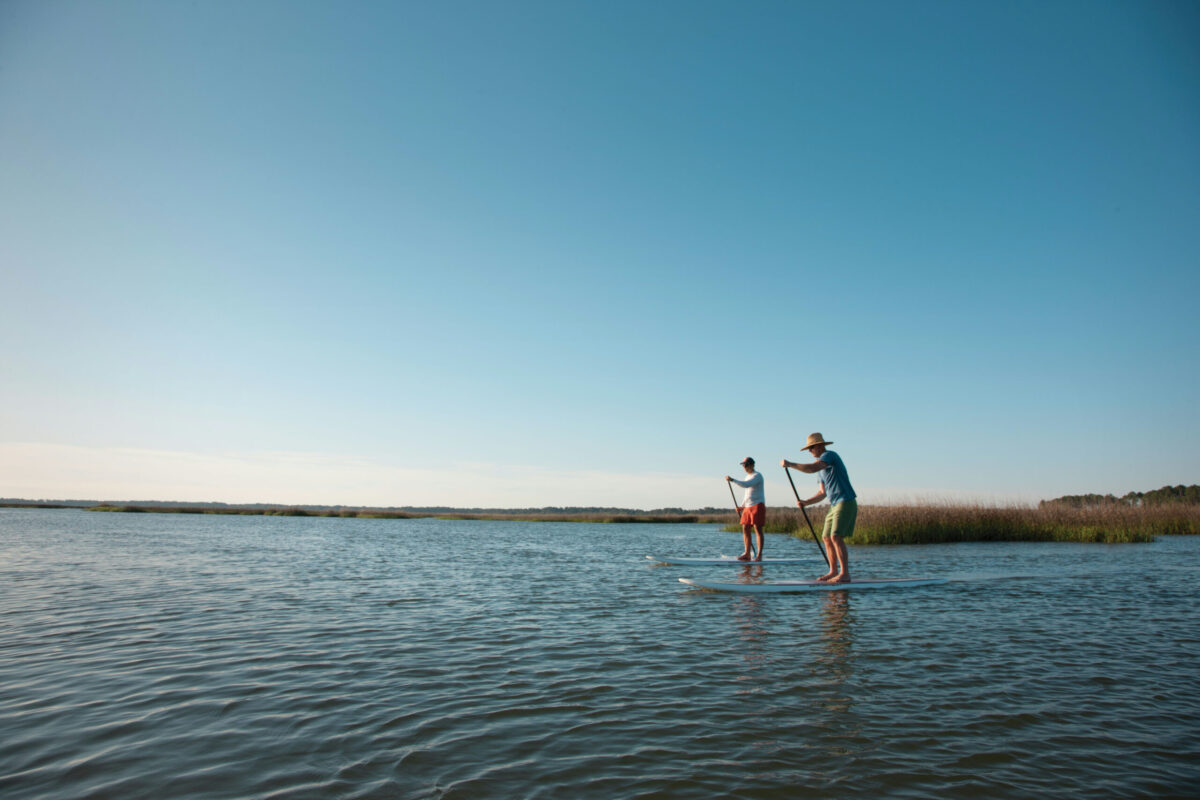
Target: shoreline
877,525
522,515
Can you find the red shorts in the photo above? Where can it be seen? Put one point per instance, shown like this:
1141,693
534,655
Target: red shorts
754,515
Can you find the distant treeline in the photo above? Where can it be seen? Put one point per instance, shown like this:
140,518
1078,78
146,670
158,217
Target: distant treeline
1167,495
20,502
544,514
535,515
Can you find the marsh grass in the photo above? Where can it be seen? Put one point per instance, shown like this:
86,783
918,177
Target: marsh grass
901,524
594,517
258,512
523,516
932,524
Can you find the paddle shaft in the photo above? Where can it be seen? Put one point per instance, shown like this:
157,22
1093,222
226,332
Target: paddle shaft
806,519
738,508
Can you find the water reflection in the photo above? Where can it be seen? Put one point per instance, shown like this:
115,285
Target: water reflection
835,661
836,625
751,629
751,573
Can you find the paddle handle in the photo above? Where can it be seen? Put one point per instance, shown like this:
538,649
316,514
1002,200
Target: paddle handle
824,555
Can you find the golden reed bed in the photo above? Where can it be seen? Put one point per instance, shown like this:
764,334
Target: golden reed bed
931,524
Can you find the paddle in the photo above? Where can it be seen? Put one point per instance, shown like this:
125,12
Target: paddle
806,519
738,509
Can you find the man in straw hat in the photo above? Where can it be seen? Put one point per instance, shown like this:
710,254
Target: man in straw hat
843,507
754,510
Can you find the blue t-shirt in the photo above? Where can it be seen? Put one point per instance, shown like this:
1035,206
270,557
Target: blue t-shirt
837,482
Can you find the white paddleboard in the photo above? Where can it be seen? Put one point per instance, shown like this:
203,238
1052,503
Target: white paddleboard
725,561
778,587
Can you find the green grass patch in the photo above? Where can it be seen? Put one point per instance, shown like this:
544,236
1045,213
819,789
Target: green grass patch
935,524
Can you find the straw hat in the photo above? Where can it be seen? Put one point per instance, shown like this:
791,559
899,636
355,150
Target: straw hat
815,439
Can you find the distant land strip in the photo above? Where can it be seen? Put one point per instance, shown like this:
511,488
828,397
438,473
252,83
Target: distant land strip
1106,519
545,514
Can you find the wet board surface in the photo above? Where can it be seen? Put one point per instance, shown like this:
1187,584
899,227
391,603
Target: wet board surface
780,587
727,560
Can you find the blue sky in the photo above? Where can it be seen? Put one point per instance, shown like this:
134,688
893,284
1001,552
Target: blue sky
527,254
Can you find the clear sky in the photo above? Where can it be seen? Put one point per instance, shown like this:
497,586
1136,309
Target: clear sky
594,253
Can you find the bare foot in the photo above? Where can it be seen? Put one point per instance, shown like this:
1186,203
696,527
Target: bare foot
843,578
744,557
826,577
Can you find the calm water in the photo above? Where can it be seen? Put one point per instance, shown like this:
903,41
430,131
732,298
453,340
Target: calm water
157,656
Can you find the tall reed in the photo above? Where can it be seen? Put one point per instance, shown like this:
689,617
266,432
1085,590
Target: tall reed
930,524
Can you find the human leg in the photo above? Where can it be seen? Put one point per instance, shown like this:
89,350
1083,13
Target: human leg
830,553
753,518
843,560
746,552
840,526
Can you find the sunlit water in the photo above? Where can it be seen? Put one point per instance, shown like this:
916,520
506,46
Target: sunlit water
160,656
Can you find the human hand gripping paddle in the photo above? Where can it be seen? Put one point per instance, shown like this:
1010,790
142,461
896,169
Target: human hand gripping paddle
806,519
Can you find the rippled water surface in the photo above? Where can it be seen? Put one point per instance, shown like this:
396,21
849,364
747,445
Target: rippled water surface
156,656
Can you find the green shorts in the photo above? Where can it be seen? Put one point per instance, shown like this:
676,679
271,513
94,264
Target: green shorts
840,519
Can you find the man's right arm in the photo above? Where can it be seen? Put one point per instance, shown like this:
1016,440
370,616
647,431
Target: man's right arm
815,466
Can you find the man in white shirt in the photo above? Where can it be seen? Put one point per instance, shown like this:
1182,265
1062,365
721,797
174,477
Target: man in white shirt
753,508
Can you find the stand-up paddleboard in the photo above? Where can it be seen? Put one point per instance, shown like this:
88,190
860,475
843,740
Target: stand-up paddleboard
725,561
778,587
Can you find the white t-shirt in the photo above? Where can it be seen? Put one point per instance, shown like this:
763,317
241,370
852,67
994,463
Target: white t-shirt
754,489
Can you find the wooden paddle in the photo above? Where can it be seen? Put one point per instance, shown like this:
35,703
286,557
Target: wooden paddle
806,519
